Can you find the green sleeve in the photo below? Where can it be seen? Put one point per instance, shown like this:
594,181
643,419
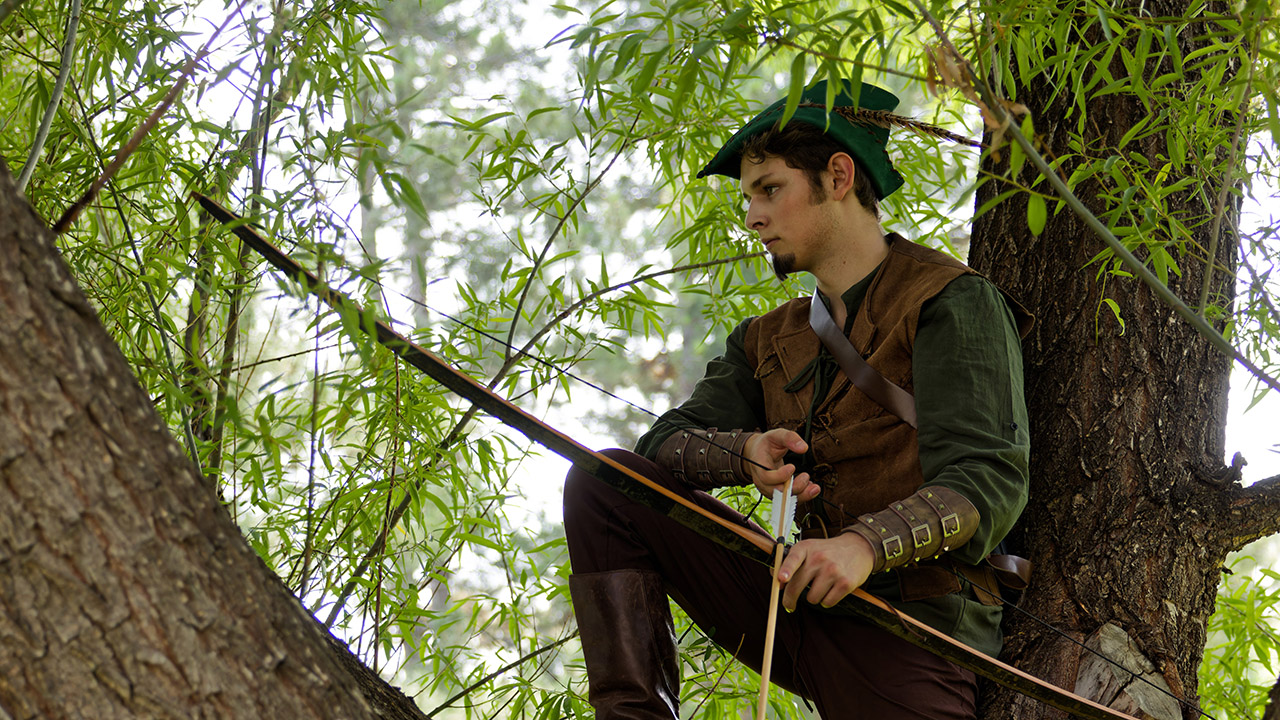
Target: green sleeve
728,397
973,435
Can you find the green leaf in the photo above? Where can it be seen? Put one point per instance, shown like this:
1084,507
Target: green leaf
1036,214
480,540
1115,310
795,89
642,82
734,19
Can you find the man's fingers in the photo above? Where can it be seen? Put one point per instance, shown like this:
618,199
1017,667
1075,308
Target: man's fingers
781,440
790,595
767,482
820,567
803,489
792,586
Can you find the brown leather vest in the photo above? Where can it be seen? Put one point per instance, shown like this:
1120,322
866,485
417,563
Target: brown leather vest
865,456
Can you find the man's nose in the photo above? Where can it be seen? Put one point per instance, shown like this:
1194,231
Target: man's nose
755,218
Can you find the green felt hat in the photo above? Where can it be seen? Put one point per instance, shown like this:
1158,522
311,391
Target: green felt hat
864,141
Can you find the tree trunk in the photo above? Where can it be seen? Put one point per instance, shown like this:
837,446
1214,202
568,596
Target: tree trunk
1131,510
125,589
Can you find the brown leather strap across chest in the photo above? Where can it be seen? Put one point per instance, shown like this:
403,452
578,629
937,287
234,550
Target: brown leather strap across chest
864,377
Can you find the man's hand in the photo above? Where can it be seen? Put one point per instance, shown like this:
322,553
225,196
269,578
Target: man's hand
831,568
764,453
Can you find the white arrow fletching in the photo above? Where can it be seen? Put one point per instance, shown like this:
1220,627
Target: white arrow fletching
782,513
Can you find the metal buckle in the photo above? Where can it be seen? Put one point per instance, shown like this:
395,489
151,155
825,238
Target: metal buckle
954,525
892,554
915,535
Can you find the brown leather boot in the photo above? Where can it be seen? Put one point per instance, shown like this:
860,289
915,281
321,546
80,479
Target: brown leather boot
624,622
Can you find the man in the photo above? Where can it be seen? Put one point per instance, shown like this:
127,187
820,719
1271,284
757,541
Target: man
908,512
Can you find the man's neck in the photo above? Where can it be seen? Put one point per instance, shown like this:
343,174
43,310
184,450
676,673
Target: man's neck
860,256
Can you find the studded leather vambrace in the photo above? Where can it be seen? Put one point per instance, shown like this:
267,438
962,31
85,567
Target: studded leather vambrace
923,526
706,459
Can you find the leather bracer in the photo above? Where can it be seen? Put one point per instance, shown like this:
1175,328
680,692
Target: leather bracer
706,459
920,527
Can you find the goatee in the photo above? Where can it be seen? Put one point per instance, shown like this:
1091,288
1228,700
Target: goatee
784,265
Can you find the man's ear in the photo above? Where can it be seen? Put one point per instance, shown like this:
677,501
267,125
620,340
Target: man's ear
839,177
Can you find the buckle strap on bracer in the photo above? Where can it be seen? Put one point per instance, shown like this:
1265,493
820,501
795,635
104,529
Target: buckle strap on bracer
706,458
920,527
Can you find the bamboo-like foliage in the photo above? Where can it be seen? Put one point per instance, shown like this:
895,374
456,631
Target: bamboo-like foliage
533,178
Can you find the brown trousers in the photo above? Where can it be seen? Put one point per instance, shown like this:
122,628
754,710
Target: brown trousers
847,668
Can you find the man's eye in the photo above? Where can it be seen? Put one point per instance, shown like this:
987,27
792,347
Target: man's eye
770,190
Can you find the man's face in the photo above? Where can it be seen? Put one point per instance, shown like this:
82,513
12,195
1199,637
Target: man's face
791,218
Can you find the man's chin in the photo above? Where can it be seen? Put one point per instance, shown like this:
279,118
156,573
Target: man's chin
784,265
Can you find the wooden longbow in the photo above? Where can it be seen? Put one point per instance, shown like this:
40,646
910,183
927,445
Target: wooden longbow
749,543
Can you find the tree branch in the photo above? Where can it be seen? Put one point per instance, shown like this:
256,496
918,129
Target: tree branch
589,297
783,42
1227,180
1251,513
1256,285
555,232
259,132
68,58
1273,703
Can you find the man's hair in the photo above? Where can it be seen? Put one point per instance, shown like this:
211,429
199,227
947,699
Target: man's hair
807,148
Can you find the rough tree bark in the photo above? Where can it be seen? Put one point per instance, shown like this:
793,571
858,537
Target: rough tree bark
1132,510
126,591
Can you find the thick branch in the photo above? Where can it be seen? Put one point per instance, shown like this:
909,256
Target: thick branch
1250,513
